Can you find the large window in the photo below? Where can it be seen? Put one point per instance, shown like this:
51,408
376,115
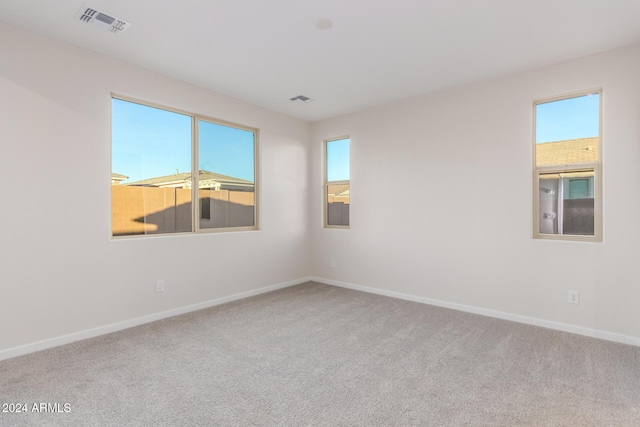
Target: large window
337,183
163,159
567,168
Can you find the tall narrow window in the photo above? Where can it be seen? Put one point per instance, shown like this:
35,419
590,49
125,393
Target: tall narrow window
567,169
163,159
337,183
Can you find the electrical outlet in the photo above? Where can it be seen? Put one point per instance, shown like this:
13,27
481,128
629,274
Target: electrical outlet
160,286
574,297
333,263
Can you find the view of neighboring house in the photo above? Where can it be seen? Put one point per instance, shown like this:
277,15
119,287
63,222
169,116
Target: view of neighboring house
567,198
116,178
584,150
207,180
163,204
338,201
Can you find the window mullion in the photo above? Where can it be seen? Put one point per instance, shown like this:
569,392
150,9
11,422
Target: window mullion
195,178
560,206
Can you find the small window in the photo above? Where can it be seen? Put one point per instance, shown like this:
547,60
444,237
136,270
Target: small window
337,183
567,168
163,159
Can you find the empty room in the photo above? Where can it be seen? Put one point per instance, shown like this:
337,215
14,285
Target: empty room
182,247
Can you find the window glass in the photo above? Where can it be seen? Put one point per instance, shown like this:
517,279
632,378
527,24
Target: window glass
338,201
337,185
567,161
151,158
338,160
226,176
578,189
153,180
567,131
567,204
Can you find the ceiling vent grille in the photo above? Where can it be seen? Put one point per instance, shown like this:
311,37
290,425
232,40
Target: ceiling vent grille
101,19
302,98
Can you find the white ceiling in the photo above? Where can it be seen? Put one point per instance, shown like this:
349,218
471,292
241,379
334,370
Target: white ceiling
267,51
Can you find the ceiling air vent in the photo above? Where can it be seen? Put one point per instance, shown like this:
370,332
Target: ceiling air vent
302,98
107,22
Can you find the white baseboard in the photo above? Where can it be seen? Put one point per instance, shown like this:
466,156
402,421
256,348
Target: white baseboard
114,327
66,339
593,333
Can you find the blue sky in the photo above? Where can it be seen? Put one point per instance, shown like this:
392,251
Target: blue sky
571,118
226,150
338,160
149,142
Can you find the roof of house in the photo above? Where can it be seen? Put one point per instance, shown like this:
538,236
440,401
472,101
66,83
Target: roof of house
118,177
584,150
339,190
186,176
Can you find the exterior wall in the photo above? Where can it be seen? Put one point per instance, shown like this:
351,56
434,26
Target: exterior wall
62,273
149,210
153,210
467,239
337,207
337,211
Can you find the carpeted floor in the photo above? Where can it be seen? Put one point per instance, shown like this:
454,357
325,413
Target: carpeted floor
318,355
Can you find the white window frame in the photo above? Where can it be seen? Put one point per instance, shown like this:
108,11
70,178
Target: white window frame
596,167
327,183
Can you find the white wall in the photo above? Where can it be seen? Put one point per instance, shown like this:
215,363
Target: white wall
61,273
460,158
466,239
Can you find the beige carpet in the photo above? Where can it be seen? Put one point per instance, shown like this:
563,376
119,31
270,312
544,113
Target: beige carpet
317,355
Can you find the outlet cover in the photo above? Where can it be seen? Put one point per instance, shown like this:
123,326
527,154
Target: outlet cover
160,286
574,297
